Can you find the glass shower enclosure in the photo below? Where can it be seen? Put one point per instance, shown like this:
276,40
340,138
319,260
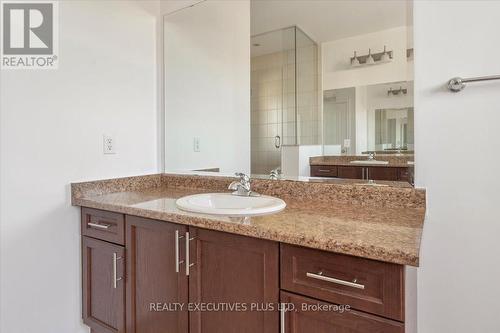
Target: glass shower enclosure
284,95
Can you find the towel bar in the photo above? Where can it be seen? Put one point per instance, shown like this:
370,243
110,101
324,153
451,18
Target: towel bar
458,84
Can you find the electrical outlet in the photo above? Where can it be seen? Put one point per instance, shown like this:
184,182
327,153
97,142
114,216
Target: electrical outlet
109,144
196,145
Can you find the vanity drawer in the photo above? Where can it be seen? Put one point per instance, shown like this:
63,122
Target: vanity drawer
368,285
323,171
310,315
103,225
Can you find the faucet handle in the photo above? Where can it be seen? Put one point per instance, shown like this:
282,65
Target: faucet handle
243,177
275,173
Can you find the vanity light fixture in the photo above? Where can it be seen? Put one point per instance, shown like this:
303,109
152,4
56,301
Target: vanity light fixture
372,58
397,92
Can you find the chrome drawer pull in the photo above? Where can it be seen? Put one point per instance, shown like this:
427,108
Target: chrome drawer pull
282,318
115,278
99,226
322,277
177,261
324,170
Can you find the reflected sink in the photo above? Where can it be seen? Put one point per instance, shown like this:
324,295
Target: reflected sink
230,205
370,162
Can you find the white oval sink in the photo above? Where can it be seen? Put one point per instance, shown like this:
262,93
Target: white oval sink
230,205
370,162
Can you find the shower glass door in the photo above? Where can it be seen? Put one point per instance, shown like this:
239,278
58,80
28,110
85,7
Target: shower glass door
273,114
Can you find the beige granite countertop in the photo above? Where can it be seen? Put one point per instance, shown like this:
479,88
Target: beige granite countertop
377,228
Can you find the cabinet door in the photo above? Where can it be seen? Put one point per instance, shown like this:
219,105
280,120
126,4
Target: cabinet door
350,172
383,173
103,286
231,269
404,175
306,315
153,283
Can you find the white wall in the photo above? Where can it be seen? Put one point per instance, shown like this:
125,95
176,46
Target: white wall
52,124
361,119
207,86
457,157
170,6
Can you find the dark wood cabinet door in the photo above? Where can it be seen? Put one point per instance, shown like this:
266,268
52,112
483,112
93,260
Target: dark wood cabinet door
404,175
103,286
383,173
232,269
315,316
152,280
350,172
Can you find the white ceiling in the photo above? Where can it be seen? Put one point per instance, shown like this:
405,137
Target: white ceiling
326,20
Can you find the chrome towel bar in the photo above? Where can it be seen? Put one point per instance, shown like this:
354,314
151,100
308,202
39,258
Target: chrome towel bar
458,84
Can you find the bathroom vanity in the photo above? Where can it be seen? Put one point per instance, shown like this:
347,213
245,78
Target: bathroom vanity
383,167
150,267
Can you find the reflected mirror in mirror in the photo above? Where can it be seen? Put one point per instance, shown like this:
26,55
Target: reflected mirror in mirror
291,88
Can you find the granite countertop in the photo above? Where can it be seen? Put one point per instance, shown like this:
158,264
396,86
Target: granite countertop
395,161
376,229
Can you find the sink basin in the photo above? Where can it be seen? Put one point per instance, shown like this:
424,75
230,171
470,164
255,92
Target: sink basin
370,162
230,205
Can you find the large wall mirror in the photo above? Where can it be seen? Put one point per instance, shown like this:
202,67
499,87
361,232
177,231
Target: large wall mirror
317,90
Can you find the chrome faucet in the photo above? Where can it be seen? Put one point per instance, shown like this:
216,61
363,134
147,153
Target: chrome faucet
275,174
242,187
371,156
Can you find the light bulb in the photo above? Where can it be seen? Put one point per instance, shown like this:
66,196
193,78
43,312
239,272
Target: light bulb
355,61
385,56
370,60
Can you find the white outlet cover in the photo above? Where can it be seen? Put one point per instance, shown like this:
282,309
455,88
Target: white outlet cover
196,144
109,144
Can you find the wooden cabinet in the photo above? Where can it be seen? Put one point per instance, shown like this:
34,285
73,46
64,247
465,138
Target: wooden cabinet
362,172
405,174
103,286
179,279
382,173
233,269
349,172
154,277
309,315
